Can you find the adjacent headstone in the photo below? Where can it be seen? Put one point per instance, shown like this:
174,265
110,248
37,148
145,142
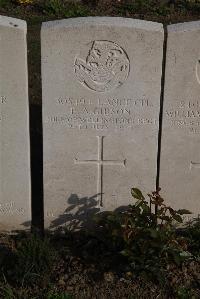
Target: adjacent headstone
180,153
15,207
101,81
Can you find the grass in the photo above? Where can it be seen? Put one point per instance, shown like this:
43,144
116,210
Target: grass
27,268
59,9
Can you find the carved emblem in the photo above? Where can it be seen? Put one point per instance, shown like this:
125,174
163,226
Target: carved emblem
198,71
106,67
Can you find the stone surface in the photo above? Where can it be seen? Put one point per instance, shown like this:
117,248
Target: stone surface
180,153
15,206
101,95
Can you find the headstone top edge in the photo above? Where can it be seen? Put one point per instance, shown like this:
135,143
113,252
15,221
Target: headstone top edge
186,26
104,21
13,23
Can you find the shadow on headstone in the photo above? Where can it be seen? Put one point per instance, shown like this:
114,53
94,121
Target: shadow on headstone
27,224
78,214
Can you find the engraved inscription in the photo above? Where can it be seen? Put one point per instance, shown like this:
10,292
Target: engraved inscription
194,165
50,214
11,209
111,102
100,162
185,114
103,114
198,71
106,67
3,101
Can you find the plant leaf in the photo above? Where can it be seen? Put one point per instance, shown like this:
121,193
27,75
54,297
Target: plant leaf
136,193
153,233
185,254
183,212
178,218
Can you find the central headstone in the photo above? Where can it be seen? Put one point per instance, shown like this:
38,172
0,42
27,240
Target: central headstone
101,96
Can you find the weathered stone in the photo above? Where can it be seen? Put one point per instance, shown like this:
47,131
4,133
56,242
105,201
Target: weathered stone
180,153
101,94
15,206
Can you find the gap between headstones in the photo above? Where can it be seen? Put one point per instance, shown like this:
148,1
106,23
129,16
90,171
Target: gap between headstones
36,136
161,106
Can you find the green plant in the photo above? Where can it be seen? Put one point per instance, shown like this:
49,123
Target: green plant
54,7
184,293
161,10
64,9
192,232
5,3
56,295
193,5
7,292
76,10
34,260
146,234
138,6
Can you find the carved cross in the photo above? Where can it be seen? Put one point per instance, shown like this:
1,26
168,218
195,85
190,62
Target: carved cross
194,165
100,162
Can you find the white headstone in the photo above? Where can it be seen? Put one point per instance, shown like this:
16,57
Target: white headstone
15,206
180,153
101,93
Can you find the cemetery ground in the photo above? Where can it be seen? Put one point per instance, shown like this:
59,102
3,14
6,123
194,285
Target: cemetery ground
145,261
134,253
